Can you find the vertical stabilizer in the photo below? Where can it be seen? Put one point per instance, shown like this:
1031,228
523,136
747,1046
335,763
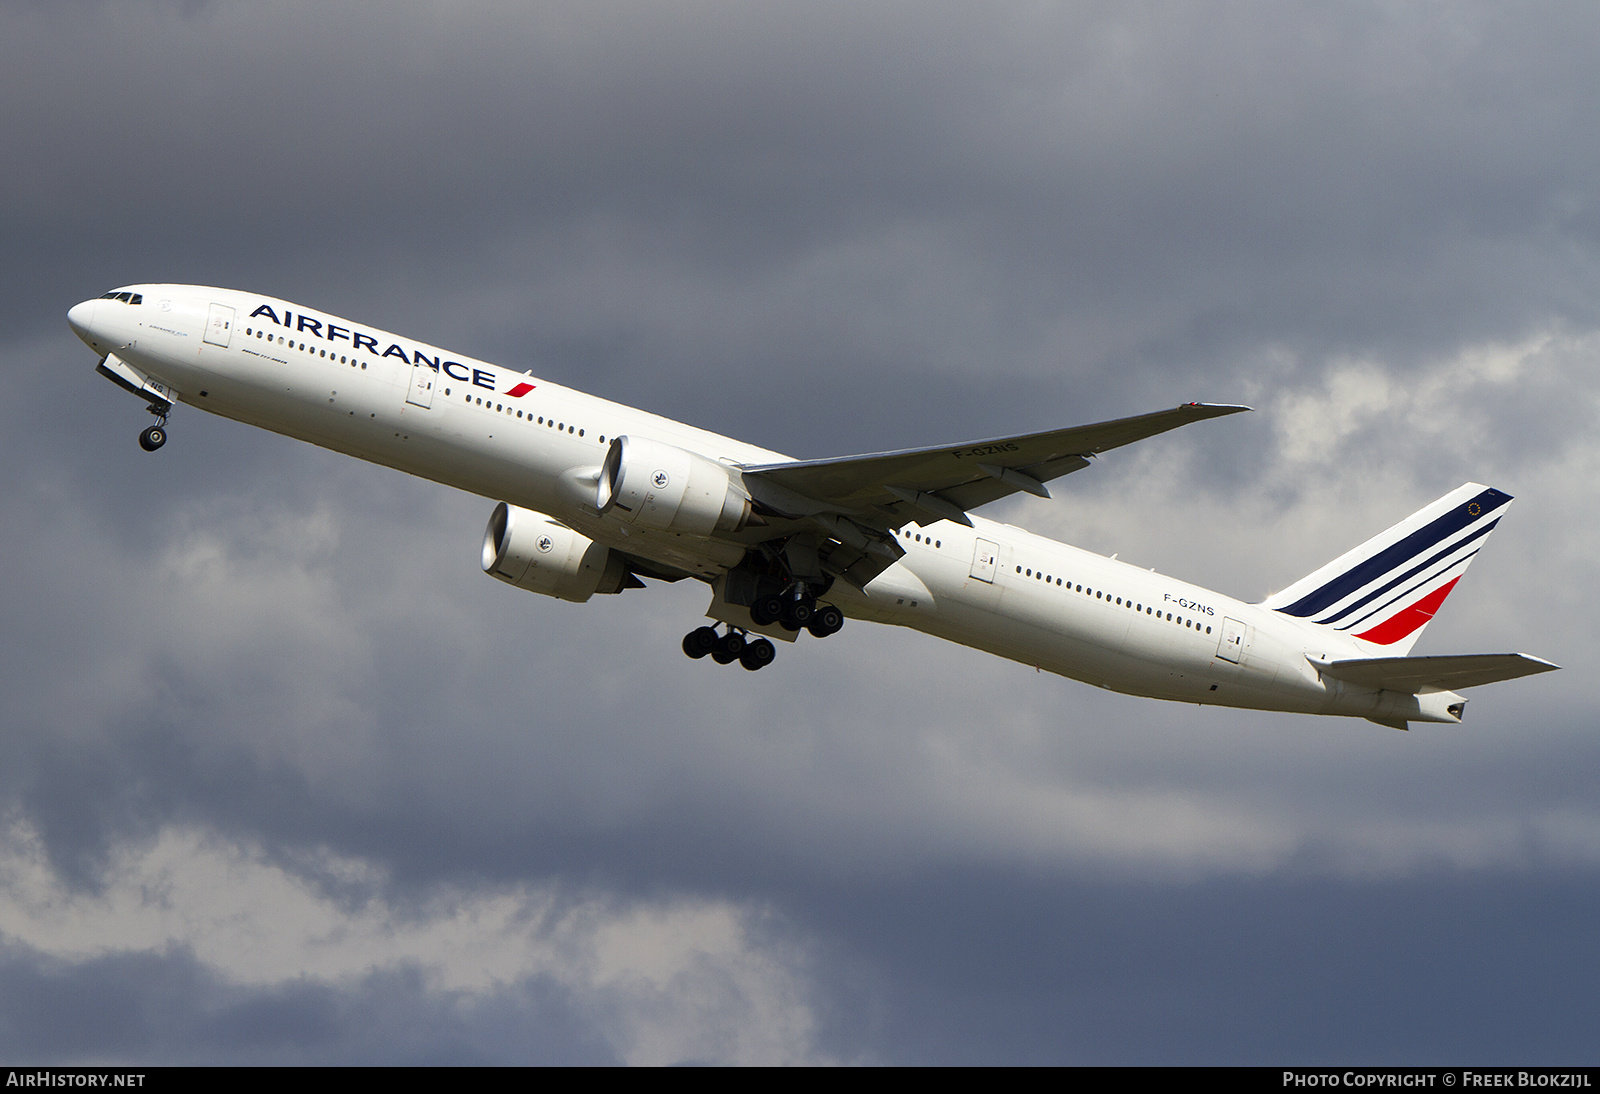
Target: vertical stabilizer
1386,590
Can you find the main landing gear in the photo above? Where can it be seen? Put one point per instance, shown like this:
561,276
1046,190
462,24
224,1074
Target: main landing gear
795,608
155,435
728,648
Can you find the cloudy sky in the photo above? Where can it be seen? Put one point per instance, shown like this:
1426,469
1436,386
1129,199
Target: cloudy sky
284,778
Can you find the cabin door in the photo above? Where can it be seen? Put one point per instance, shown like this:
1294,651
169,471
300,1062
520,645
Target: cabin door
1234,634
985,557
423,381
219,325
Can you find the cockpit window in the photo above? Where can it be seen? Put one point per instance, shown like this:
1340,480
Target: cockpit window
125,297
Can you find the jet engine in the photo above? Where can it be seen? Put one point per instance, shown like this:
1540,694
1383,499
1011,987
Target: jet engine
533,552
661,486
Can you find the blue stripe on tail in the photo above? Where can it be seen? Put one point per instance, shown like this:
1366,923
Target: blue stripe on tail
1397,554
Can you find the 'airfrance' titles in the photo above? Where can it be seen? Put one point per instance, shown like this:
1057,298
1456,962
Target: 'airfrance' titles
332,332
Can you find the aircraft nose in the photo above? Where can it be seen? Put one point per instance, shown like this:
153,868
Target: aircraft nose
80,317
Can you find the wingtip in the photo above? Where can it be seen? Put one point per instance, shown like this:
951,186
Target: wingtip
1216,410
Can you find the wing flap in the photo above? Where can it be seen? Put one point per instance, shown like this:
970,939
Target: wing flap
1414,674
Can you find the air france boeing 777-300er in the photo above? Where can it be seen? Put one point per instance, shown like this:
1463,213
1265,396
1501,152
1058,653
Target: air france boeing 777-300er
592,496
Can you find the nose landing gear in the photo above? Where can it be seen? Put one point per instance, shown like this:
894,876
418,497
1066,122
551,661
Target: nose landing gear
154,436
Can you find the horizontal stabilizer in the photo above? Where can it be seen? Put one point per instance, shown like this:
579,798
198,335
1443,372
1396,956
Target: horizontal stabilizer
1414,674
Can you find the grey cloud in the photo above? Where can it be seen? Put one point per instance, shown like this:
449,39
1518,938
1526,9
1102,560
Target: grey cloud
171,1009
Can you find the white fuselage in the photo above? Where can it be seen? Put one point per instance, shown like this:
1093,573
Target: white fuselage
512,437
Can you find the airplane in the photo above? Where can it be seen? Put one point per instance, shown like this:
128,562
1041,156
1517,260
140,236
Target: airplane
593,496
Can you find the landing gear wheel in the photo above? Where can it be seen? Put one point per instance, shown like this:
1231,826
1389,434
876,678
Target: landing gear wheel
758,655
796,614
698,643
767,610
798,607
728,648
152,438
828,620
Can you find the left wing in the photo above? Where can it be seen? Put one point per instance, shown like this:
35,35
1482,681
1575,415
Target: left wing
944,482
841,514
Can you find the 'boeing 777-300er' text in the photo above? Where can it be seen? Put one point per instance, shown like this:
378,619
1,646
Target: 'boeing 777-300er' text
592,496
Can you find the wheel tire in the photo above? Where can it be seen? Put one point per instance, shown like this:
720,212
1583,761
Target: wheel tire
729,647
152,438
767,610
828,620
697,643
797,613
758,655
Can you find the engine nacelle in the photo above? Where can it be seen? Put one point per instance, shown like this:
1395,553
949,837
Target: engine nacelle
662,486
533,552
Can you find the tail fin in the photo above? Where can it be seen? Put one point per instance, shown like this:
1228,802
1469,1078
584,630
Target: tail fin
1386,590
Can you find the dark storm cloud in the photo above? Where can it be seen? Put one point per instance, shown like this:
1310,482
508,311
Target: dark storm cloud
825,229
817,194
1232,972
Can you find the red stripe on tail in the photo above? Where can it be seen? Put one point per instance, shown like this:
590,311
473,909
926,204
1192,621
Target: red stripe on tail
1406,620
